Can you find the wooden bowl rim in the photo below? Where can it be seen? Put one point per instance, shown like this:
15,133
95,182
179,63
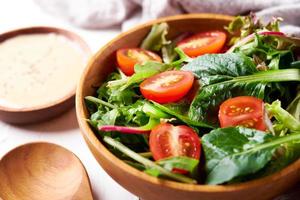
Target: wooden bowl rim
71,36
90,136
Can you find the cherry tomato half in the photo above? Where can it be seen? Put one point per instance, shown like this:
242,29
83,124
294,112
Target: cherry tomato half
168,86
167,140
128,57
203,43
245,111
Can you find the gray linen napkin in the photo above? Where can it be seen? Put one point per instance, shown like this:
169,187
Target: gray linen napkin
97,14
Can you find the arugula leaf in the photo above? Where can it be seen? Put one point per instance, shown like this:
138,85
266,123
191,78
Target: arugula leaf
237,151
116,107
223,76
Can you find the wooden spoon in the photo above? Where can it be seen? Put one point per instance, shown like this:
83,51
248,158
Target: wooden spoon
45,171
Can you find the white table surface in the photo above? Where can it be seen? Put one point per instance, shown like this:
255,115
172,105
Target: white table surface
64,129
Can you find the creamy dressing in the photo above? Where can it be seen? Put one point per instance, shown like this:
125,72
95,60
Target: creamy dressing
38,69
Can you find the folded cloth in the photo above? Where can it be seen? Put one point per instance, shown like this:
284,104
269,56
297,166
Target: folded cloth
126,13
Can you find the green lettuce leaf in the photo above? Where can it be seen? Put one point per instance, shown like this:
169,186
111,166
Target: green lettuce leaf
237,152
243,26
294,107
283,116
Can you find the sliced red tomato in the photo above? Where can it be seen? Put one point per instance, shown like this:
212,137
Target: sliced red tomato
244,111
179,171
167,140
168,86
128,57
203,43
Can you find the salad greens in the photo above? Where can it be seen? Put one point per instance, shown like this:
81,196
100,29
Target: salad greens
261,62
233,152
223,76
151,167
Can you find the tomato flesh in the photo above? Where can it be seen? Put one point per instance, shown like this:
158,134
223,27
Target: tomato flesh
167,140
179,171
128,57
203,43
168,86
244,111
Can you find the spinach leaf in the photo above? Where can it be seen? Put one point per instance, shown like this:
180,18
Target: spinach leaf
236,152
214,68
283,156
222,76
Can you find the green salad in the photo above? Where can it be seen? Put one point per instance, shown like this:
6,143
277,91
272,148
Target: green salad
214,107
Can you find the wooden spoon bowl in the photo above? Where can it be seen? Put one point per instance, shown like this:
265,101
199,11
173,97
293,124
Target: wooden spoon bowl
45,171
139,183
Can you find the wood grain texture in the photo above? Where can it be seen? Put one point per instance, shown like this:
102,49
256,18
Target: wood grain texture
139,183
50,110
45,171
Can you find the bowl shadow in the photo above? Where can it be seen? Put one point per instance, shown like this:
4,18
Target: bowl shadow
64,122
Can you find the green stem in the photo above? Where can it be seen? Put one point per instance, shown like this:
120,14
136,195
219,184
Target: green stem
150,125
146,154
183,58
154,112
99,101
271,76
147,163
281,75
278,141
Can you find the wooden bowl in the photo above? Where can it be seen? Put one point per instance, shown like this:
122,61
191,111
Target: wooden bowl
49,110
139,183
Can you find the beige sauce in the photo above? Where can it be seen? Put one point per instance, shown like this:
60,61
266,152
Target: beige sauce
38,69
